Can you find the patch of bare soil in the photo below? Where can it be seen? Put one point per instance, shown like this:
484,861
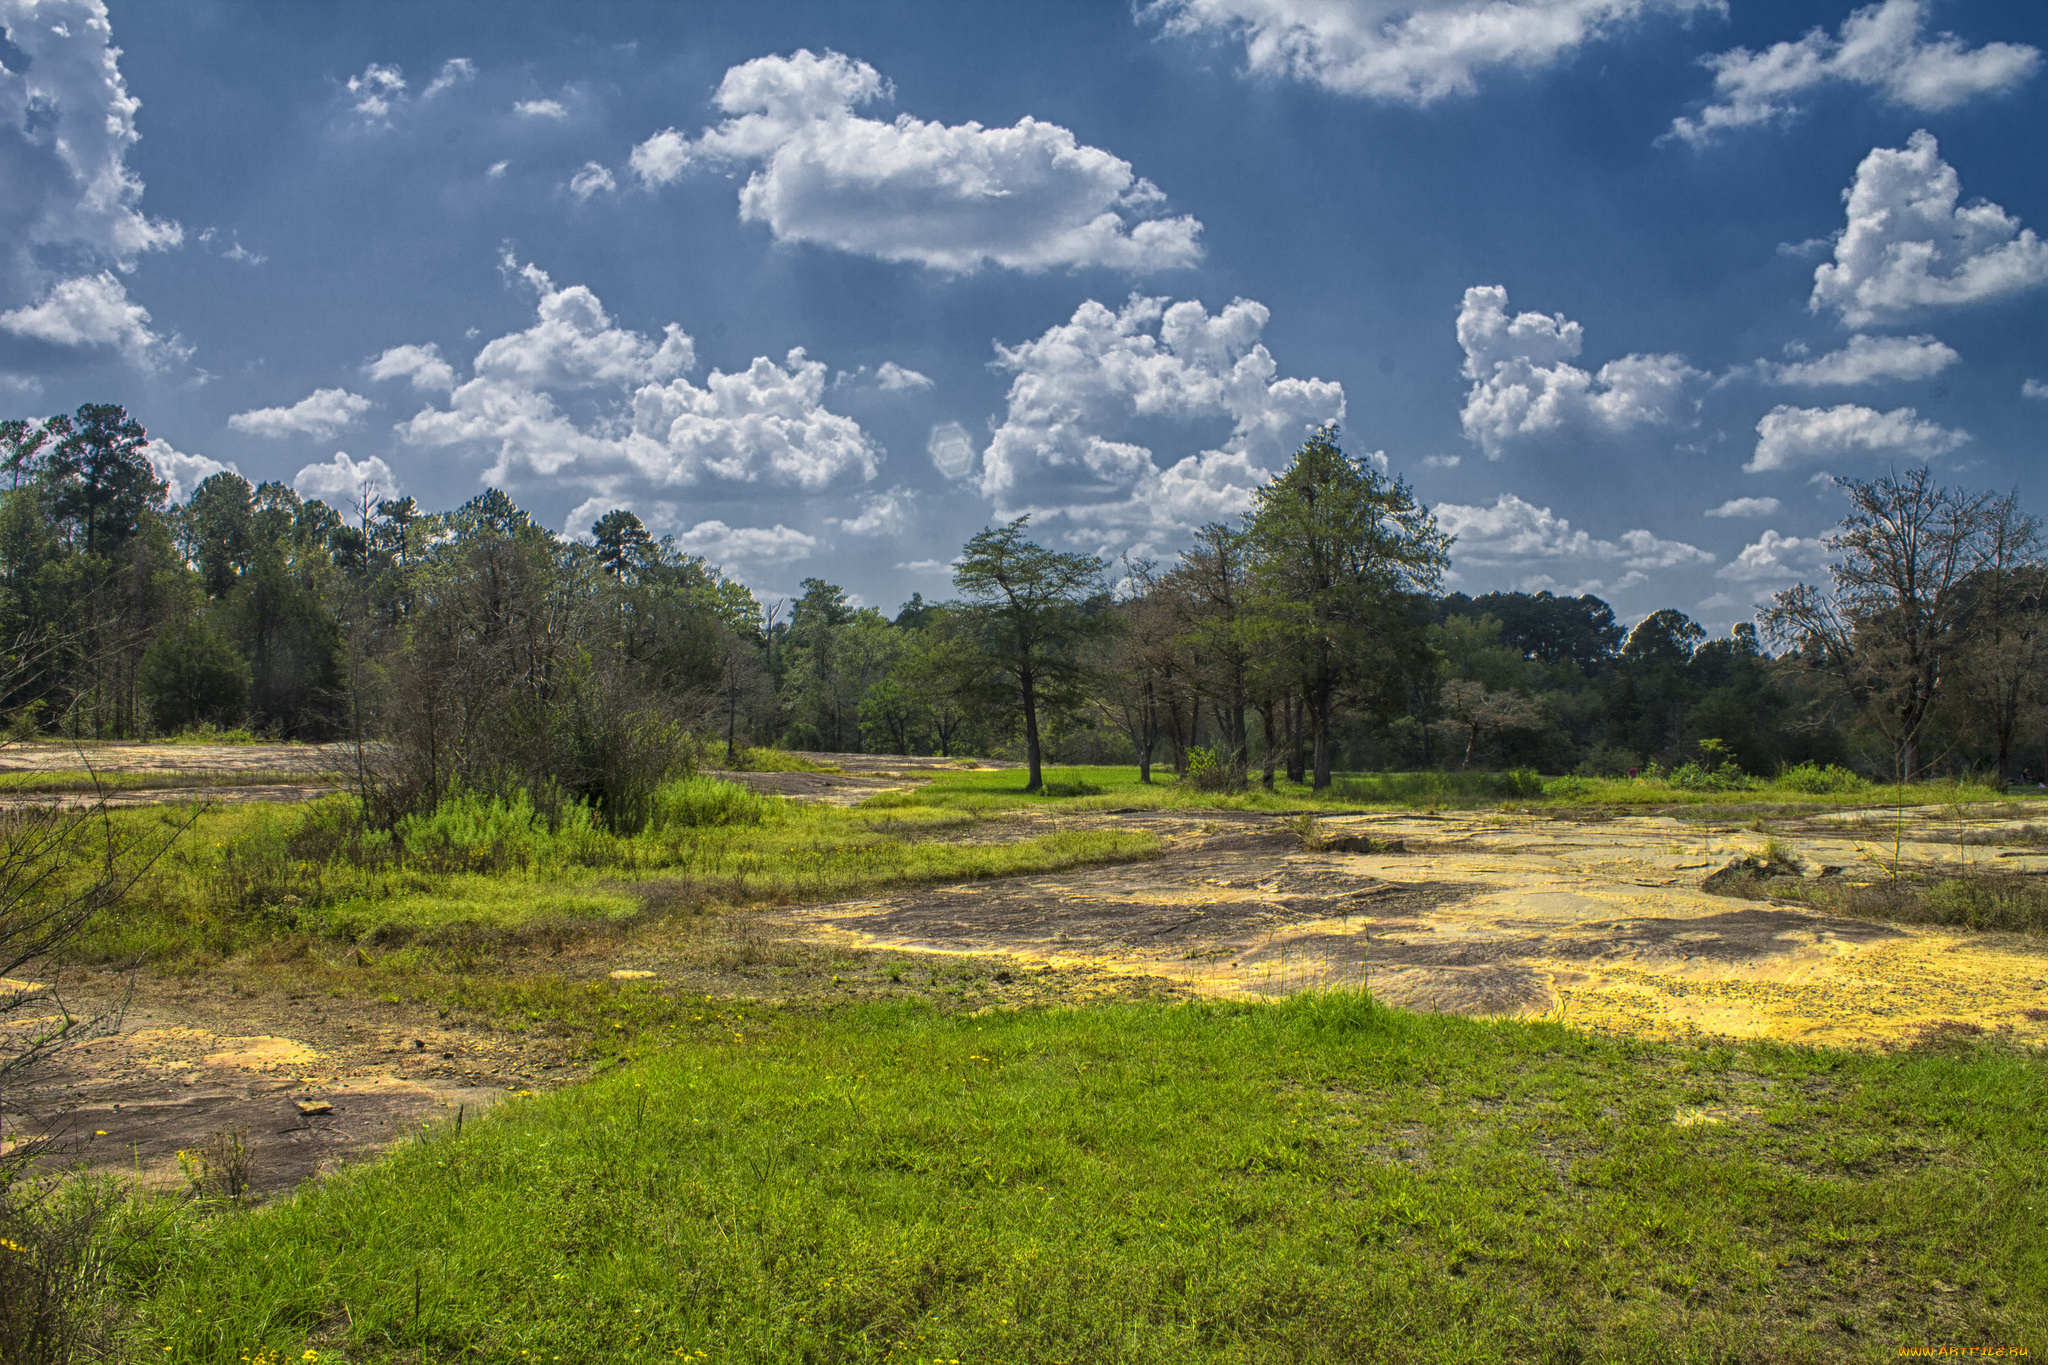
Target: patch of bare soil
309,1082
177,772
859,777
1601,922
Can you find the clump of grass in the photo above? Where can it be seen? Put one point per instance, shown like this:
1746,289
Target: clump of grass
706,802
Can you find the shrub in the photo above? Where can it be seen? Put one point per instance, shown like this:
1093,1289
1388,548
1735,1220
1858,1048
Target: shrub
1516,783
697,802
1821,781
1206,772
1693,778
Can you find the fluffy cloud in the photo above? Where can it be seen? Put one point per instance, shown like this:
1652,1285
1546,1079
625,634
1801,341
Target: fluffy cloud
423,365
1029,197
1909,245
884,514
319,414
1774,557
1788,436
64,138
344,482
1524,384
1744,507
574,344
894,378
1410,50
1513,531
2034,388
1881,47
717,542
548,109
1082,386
1867,360
182,471
95,310
766,422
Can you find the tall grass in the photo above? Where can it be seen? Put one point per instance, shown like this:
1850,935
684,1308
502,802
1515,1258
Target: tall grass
250,876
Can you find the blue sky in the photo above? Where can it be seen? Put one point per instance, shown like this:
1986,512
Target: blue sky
825,288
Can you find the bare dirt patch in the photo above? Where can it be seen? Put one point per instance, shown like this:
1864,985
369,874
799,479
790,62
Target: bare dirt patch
1599,921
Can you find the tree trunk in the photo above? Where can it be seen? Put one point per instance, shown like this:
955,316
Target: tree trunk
1320,715
1272,745
1148,734
1026,685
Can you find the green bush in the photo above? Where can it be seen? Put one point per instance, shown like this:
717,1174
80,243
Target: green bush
1821,781
697,802
1693,778
1516,783
1206,772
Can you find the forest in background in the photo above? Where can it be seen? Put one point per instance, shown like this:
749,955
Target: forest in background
475,648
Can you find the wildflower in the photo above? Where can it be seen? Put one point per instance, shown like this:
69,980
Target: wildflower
7,1244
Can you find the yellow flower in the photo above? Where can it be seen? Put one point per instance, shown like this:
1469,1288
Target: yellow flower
7,1245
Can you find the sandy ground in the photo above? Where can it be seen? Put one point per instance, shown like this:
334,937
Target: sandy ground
218,772
1597,921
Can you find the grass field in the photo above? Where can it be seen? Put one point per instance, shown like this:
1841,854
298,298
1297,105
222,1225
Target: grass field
1111,788
1315,1181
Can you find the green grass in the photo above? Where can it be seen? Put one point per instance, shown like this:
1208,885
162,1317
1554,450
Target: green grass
1097,788
1315,1181
253,877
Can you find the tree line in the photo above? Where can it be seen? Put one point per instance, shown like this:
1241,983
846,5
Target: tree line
476,648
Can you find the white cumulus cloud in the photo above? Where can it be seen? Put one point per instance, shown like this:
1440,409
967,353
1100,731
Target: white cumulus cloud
1774,556
95,310
344,482
1788,436
1084,384
2034,388
181,470
882,514
1910,245
1029,197
642,419
1512,531
717,541
1744,507
548,109
67,121
423,365
1866,360
319,414
1524,384
1882,47
1409,50
894,378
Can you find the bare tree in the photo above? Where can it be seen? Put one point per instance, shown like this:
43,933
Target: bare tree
1896,621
